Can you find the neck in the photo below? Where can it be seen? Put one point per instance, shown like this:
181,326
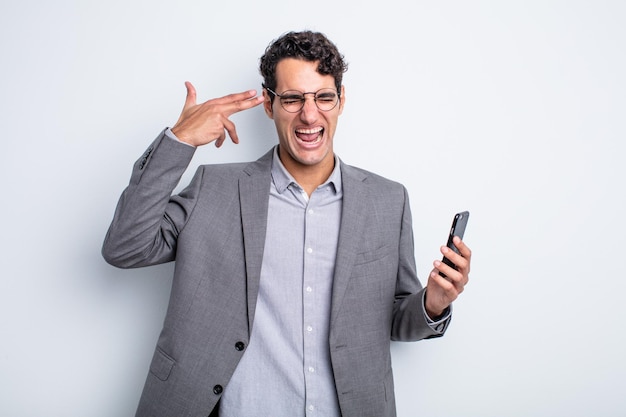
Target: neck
309,177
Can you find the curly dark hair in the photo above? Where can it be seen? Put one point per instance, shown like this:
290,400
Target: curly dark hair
307,45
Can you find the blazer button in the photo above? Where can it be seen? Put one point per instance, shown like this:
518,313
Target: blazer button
217,390
239,346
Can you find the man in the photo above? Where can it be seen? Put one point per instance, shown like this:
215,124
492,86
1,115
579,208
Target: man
293,272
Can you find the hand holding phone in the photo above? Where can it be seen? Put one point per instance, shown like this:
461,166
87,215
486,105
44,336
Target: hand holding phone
458,229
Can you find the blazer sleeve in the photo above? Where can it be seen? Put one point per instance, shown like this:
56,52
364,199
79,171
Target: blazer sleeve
410,322
148,218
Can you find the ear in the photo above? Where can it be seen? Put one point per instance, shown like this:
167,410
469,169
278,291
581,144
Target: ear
267,104
342,99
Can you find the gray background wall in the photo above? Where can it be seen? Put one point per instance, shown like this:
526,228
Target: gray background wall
512,110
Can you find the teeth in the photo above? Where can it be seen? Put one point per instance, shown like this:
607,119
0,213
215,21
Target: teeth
309,131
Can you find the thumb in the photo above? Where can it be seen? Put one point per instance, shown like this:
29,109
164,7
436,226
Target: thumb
190,100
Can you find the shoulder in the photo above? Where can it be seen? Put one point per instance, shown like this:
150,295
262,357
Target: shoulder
237,170
351,173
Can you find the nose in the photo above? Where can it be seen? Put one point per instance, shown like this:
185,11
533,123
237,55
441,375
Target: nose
309,111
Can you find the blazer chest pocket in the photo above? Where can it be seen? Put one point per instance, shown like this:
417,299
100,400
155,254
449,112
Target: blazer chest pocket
375,255
161,365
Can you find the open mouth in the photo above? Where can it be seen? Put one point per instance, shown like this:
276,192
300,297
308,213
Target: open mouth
310,135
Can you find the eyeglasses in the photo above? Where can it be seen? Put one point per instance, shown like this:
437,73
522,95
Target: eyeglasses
292,101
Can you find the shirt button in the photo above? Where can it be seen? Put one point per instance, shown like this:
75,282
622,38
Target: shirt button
309,289
309,250
309,328
311,408
311,211
239,346
217,390
311,369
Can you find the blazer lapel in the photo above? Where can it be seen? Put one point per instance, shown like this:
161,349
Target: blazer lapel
253,199
355,198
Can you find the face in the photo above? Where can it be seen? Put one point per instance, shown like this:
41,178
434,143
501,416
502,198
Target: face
306,137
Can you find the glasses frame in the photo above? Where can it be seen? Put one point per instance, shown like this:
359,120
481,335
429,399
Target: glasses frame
280,96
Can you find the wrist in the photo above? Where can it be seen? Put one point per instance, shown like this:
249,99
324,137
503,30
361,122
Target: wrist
433,312
177,135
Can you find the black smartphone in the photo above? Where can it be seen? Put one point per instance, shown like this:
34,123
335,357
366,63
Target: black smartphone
458,229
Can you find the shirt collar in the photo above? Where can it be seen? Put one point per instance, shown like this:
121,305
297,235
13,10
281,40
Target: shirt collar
282,178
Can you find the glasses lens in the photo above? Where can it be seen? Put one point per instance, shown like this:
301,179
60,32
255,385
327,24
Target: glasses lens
292,101
326,99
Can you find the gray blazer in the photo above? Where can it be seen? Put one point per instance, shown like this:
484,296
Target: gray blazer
215,231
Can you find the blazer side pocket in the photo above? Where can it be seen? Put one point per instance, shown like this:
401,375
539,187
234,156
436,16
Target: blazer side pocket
161,365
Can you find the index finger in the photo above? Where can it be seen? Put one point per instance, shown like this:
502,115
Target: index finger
237,102
465,251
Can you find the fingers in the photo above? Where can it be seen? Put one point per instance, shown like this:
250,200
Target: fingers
220,140
445,283
237,102
440,294
462,247
451,275
462,259
444,290
457,260
227,106
459,275
207,122
232,131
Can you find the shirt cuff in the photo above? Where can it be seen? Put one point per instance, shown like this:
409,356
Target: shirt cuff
440,324
171,135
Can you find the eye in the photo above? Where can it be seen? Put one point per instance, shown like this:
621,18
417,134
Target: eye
292,99
326,97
